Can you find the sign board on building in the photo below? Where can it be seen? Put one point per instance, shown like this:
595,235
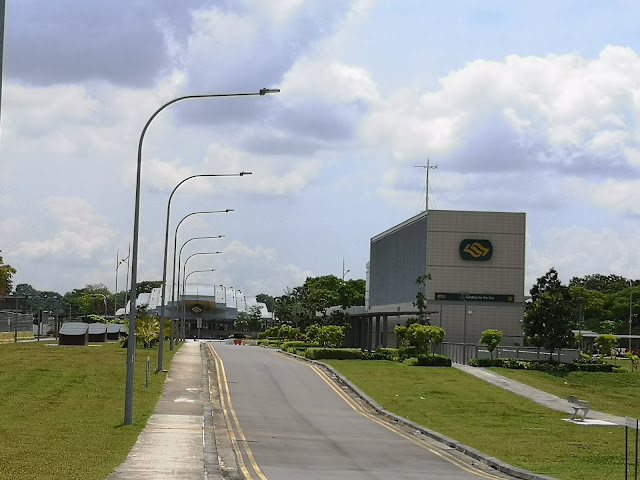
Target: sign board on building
476,250
474,297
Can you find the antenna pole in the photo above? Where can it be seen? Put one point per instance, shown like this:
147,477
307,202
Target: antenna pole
428,167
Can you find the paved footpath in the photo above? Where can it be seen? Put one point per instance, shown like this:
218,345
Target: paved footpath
538,396
178,441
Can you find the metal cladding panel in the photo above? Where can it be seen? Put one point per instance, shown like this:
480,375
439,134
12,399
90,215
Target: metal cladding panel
74,328
397,258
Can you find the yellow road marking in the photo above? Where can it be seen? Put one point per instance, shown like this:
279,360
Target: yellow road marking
226,401
361,410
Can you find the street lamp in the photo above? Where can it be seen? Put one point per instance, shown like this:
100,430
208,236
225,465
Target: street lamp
164,263
184,291
184,270
115,293
630,310
104,297
131,345
175,244
464,329
178,279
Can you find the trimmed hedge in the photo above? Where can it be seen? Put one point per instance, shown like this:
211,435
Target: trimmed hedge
543,365
334,353
434,361
270,343
298,344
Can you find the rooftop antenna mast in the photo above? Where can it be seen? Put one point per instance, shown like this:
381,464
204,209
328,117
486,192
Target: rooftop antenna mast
427,167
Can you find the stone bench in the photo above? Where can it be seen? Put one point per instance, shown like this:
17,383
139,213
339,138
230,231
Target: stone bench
578,405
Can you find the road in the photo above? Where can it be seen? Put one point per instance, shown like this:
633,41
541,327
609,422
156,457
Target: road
290,421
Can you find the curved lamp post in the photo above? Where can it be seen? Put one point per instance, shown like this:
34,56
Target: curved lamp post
119,262
164,263
175,244
184,270
179,257
131,345
185,286
104,297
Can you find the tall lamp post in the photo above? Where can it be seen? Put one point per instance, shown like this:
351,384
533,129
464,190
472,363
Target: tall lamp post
184,270
630,310
164,264
115,293
104,298
185,283
464,329
179,258
175,244
131,345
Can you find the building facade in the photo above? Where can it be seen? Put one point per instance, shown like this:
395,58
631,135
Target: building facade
473,263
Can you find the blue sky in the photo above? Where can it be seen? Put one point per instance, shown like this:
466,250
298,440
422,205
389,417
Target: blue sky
524,106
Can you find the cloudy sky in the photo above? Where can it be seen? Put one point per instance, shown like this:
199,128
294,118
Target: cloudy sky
524,106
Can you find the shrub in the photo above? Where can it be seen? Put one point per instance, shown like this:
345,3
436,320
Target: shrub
411,361
334,353
434,361
491,338
383,354
270,343
543,365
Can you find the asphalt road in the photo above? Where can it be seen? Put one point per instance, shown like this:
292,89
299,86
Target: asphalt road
291,421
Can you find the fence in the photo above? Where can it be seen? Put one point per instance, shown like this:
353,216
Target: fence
15,322
459,354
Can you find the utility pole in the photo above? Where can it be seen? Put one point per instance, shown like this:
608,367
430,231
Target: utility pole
427,167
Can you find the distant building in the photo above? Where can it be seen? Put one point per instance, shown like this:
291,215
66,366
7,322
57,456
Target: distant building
474,263
209,310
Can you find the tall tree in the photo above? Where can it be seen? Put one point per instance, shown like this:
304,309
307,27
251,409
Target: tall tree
548,316
267,300
6,274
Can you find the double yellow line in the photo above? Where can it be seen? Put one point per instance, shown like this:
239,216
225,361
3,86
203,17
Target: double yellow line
399,431
233,425
235,432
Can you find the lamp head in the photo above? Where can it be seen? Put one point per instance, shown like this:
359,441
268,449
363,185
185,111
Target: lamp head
264,91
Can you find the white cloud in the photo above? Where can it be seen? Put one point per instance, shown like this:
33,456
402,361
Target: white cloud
80,234
564,101
622,197
332,80
579,251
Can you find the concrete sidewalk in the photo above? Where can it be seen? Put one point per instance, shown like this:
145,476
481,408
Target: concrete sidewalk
178,441
538,396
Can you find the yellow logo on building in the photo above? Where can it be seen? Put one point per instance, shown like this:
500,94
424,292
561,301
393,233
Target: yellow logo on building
196,309
472,249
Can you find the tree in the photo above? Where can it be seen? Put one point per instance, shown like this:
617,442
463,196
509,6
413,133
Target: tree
249,320
605,344
417,336
268,300
421,302
491,338
600,283
547,321
6,274
330,336
147,286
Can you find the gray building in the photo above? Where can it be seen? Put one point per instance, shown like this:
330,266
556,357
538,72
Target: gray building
474,262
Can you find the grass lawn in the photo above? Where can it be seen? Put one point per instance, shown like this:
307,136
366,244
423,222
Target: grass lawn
491,419
615,393
62,408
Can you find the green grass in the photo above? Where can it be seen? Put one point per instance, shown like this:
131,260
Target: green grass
62,408
491,419
615,393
